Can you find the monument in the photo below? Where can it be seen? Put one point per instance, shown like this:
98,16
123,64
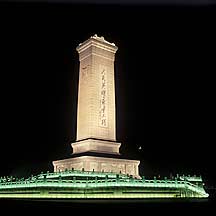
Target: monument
95,169
96,117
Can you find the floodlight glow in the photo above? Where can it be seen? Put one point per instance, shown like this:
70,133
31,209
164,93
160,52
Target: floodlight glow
81,184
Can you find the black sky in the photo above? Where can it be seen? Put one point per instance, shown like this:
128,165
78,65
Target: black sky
126,2
164,84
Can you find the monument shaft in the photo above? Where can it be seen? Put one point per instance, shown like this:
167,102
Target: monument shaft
96,118
96,100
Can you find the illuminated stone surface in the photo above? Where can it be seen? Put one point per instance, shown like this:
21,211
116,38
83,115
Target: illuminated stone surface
100,146
96,117
98,164
96,94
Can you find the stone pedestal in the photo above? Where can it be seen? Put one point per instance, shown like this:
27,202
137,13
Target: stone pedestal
99,164
94,145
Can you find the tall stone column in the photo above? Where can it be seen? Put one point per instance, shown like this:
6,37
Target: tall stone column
96,118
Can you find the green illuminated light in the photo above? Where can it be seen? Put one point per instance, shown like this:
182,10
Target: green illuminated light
80,184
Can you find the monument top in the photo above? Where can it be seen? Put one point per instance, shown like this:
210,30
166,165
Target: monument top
95,40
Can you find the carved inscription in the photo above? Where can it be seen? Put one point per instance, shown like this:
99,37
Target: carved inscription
103,98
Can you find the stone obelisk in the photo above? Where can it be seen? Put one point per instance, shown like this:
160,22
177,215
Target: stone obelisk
96,147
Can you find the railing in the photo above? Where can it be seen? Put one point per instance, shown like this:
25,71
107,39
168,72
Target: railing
110,180
80,173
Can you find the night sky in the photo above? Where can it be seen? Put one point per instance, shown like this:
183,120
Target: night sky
164,84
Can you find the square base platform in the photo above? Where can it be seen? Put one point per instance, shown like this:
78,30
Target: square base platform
99,164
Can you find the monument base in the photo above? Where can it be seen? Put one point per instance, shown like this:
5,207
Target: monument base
99,164
81,185
96,145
